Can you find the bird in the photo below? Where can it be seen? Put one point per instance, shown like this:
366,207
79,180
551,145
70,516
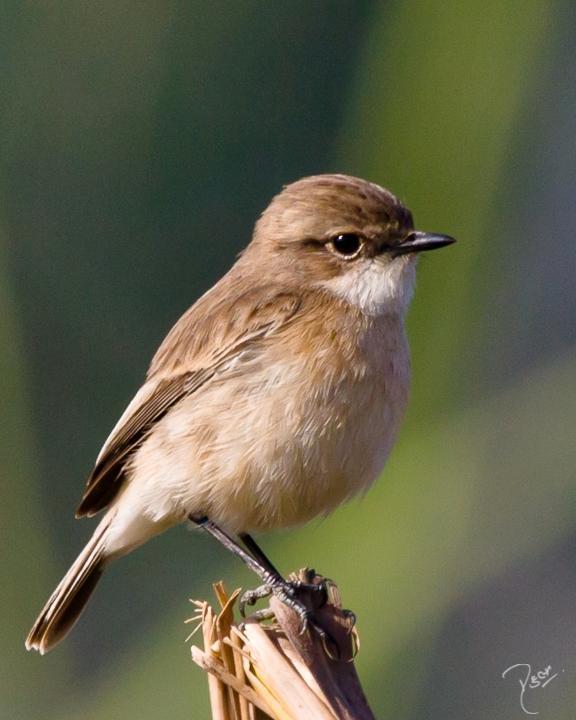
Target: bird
276,397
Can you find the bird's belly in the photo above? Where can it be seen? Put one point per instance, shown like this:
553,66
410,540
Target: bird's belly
269,452
315,469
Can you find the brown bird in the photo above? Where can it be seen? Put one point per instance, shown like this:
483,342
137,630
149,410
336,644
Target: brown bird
274,398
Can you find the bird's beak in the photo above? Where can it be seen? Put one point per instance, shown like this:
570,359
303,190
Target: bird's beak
420,241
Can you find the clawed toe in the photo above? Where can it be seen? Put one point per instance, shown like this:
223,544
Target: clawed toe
251,597
298,596
351,618
309,622
289,597
259,616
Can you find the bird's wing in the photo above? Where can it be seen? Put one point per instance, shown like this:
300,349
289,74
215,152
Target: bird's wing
253,317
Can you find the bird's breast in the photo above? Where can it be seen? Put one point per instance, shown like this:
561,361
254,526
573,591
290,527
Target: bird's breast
288,435
316,427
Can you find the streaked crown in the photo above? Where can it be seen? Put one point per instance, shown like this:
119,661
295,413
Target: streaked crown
322,205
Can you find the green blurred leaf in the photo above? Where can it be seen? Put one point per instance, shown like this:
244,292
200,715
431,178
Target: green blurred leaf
432,116
25,561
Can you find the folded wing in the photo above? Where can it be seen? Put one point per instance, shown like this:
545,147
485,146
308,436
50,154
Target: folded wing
255,315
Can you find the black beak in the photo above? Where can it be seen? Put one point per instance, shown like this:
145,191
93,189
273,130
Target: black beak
420,241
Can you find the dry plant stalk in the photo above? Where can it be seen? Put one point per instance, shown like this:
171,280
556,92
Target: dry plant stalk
262,671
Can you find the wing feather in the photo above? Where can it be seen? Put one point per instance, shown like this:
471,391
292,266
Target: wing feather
160,393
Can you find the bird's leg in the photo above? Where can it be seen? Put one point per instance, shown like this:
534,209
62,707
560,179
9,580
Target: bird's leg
267,573
258,553
286,591
250,597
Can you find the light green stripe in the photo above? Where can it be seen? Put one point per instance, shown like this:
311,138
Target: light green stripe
439,97
25,560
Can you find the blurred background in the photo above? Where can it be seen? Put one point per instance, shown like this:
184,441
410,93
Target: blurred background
139,142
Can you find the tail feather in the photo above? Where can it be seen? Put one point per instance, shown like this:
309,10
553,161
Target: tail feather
68,600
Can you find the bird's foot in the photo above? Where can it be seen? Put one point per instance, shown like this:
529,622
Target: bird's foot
288,592
251,597
291,594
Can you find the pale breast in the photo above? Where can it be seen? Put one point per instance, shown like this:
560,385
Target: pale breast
287,436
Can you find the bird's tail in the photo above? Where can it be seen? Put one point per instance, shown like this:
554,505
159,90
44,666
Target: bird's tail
68,600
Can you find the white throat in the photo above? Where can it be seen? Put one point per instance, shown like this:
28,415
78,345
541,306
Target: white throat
374,288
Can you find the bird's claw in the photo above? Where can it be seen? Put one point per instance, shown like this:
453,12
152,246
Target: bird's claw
259,616
288,593
351,618
251,597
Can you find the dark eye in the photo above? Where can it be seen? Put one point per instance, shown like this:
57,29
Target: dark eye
347,244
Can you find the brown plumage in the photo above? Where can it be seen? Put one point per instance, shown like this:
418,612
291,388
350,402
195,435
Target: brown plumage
275,397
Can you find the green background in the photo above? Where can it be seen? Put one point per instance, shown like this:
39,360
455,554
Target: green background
138,143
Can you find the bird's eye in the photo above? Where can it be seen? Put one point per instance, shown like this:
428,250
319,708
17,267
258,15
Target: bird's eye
347,245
